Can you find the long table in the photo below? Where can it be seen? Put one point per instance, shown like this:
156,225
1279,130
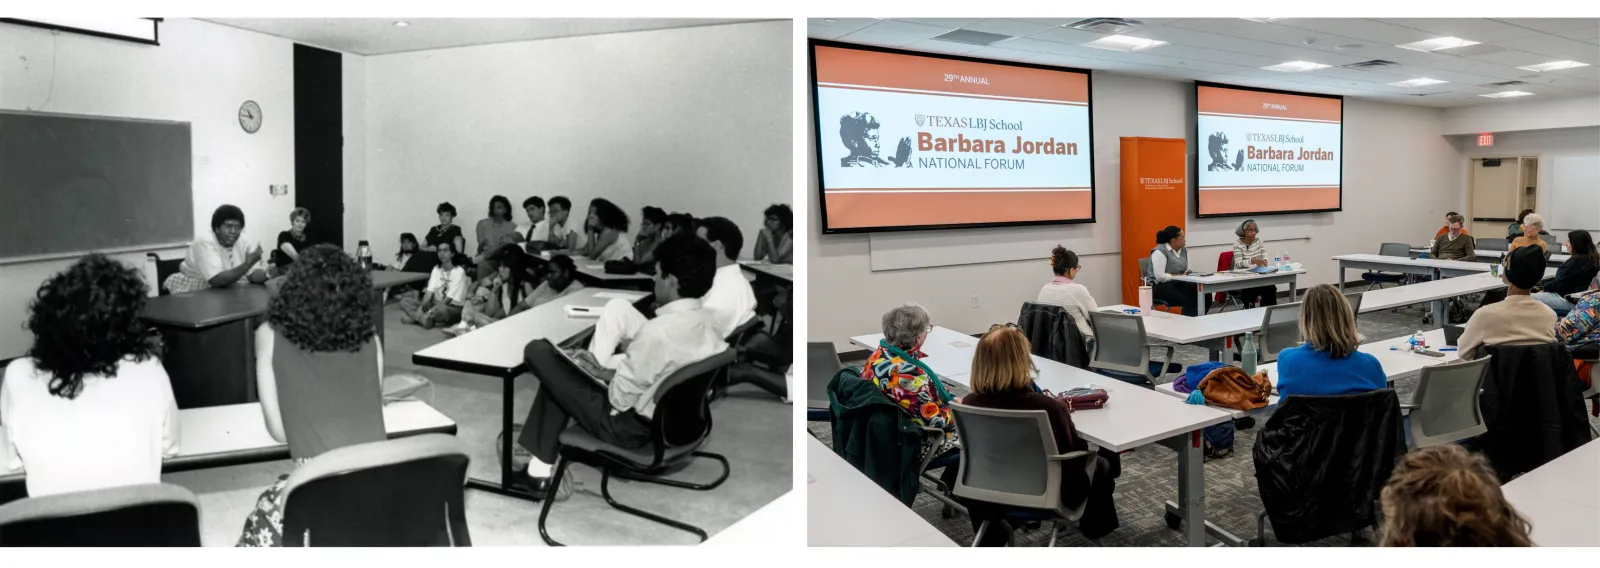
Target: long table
1238,280
220,436
496,350
1134,417
1561,499
844,508
780,272
1495,255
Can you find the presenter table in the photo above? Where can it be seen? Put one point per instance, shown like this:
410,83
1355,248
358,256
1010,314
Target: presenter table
1238,280
496,350
1561,499
844,508
1134,417
221,436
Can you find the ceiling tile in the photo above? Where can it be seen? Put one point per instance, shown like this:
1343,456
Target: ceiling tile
1591,72
898,27
1458,27
1557,47
941,46
826,32
1369,30
1068,36
1030,44
1555,25
1007,27
951,23
886,40
1512,58
851,24
1590,34
1004,54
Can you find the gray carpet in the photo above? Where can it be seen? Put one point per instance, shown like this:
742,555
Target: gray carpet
1149,474
753,431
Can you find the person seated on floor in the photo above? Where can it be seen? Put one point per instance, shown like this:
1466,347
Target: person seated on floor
1517,320
222,258
1573,275
1446,227
896,367
90,406
627,358
1446,496
775,244
443,299
1532,227
1328,363
1581,327
492,298
1002,378
651,233
558,281
1454,243
1065,292
555,235
731,297
319,372
1251,252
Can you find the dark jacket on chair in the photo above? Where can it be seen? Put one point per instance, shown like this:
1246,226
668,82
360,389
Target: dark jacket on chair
1533,405
1322,460
1053,334
874,434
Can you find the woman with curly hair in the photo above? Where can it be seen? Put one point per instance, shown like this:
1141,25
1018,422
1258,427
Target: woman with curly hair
608,232
319,371
90,407
1445,496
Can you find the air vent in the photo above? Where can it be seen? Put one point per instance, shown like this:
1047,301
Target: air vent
970,37
1503,84
1373,64
1105,25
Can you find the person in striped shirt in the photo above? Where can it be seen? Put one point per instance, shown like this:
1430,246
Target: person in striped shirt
1249,252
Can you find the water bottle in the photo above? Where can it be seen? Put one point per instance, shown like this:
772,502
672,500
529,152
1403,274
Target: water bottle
1417,342
1277,262
1247,354
364,254
1287,264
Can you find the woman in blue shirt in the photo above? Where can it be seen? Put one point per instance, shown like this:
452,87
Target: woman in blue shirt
1328,362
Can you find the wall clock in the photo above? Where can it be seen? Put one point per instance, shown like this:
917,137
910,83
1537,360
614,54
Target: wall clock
250,116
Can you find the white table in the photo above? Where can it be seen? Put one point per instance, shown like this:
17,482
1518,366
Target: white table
218,436
784,272
1209,329
496,350
594,273
1494,255
1133,417
1431,267
1238,280
844,508
757,529
1562,498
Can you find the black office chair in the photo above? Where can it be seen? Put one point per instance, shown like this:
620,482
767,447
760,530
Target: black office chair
739,336
679,426
402,492
165,268
137,515
1376,279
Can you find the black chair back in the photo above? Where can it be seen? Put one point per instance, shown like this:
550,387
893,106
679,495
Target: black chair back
164,269
1321,461
1533,406
683,403
139,515
401,492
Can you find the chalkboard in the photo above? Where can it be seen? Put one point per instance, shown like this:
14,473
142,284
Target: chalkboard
72,184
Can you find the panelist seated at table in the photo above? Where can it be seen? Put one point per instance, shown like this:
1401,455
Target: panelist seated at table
291,242
1171,258
319,372
1446,228
1454,243
1329,362
1573,275
442,301
1518,319
1251,252
612,397
731,297
775,244
90,406
221,258
1445,496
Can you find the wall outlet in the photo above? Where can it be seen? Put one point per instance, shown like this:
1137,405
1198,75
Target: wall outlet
278,189
974,301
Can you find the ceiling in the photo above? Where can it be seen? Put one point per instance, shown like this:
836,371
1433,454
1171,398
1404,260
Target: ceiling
1234,50
379,36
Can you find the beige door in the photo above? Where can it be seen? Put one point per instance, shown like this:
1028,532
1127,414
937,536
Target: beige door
1496,196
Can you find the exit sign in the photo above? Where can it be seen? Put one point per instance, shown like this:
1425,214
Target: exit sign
1486,139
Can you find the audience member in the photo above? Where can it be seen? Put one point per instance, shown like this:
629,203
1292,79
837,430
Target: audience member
558,282
493,232
731,298
1328,363
1454,243
556,235
1532,227
442,300
445,232
896,367
1065,292
1446,228
1515,230
1519,319
651,233
1446,496
534,207
1573,275
775,244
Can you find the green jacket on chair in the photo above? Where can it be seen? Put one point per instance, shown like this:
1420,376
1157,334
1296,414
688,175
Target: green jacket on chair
874,434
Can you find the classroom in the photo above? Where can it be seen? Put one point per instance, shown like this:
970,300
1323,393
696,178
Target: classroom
1303,282
524,292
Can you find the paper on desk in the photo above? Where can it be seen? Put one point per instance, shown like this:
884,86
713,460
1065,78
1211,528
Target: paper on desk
595,266
582,311
626,296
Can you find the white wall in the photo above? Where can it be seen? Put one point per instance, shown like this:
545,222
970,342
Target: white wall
1523,115
696,120
1399,175
1543,144
200,74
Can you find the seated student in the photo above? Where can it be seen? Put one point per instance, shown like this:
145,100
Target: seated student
775,244
1573,275
616,405
558,282
555,235
1532,227
445,232
1328,363
1454,243
1515,230
609,240
493,232
292,241
90,406
1519,319
896,367
492,299
677,223
651,233
731,296
1250,252
534,207
1065,292
221,258
402,261
1446,227
443,299
1581,327
1446,496
408,247
319,372
1002,378
1171,258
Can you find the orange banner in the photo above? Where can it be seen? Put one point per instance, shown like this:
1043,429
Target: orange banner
1154,190
889,209
1239,102
840,67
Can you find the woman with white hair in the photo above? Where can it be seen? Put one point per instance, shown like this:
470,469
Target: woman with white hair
1532,225
896,367
1249,252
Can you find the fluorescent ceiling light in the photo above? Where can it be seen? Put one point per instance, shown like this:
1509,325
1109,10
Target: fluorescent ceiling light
1416,82
401,24
1507,94
1263,20
1124,43
1554,66
1437,44
1295,66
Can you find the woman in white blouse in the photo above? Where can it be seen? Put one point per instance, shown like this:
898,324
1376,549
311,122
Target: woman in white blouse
1065,292
1249,252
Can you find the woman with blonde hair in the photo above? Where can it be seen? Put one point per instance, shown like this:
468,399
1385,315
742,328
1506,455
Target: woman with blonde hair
1445,496
1328,363
1002,378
